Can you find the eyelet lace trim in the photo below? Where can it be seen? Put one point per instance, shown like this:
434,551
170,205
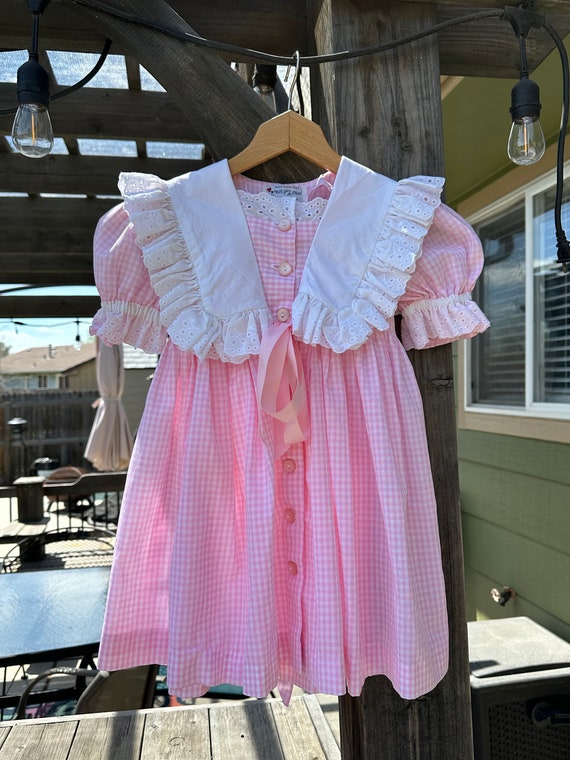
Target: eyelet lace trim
391,264
234,338
272,208
126,322
439,320
174,279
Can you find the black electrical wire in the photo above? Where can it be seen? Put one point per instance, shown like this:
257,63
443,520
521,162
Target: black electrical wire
562,243
88,77
247,54
518,16
82,82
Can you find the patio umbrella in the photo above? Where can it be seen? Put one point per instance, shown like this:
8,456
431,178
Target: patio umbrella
110,442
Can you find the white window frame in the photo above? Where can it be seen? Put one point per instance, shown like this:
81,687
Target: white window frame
541,420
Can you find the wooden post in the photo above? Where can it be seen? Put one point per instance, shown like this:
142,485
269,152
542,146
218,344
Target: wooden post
385,112
30,495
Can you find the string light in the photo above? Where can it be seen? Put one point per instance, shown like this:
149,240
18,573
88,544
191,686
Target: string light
16,323
521,17
526,143
32,131
19,323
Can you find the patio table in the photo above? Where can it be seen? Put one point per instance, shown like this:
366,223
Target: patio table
51,615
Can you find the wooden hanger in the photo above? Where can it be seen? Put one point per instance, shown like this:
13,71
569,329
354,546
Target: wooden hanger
286,132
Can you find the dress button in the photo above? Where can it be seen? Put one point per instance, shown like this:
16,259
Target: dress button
284,225
284,268
290,516
283,314
292,568
289,465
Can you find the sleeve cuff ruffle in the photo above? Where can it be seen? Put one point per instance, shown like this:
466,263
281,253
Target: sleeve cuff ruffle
125,322
391,264
174,279
430,323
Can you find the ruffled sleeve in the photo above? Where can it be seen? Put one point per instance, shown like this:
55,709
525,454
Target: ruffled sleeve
437,307
129,306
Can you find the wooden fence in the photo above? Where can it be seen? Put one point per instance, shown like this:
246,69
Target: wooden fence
58,426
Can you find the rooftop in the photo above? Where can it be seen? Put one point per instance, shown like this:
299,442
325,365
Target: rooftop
47,359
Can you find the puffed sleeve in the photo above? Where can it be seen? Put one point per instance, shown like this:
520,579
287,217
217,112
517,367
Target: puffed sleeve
437,307
129,310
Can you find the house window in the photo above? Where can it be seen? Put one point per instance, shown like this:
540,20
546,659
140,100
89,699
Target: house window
63,382
523,361
42,381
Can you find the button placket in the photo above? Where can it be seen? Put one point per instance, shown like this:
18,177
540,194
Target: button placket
292,497
289,480
292,534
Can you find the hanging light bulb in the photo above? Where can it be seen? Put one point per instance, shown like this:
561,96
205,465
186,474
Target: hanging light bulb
526,143
264,80
32,131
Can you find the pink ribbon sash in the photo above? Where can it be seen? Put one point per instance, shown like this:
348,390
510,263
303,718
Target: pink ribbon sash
281,386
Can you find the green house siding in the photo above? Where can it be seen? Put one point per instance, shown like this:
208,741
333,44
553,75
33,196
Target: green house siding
515,502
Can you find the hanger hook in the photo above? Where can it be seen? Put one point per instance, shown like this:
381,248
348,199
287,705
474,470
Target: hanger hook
297,59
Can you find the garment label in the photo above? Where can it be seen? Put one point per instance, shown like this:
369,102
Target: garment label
285,191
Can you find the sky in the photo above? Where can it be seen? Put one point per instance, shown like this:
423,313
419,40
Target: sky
27,333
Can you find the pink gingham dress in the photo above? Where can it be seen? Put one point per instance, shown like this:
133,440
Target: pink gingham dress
278,525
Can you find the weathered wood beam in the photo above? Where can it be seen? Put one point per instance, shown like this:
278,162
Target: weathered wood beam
31,270
217,103
113,114
273,27
39,267
489,48
280,28
386,112
29,307
49,225
93,175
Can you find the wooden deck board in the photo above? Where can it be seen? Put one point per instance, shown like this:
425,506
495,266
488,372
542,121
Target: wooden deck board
38,742
176,735
294,722
248,730
3,734
244,730
117,736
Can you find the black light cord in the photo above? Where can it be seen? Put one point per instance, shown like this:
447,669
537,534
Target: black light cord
520,17
82,82
247,54
88,77
562,243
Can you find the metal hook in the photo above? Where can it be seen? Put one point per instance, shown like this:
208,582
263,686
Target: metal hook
297,57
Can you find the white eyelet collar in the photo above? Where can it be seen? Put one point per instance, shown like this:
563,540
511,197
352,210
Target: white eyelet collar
198,251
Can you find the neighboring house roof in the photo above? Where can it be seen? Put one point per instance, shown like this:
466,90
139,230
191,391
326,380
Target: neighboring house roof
47,360
136,358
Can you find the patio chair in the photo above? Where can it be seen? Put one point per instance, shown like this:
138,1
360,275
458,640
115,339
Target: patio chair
65,476
62,548
107,691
